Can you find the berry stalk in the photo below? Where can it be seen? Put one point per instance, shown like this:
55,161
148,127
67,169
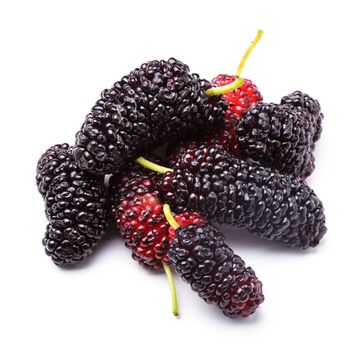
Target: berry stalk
152,166
220,90
172,289
175,225
248,52
169,216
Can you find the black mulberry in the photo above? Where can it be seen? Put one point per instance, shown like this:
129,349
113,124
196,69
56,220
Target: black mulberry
203,259
155,103
75,206
282,136
227,190
304,101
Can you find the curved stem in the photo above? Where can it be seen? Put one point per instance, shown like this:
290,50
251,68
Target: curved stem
219,90
153,166
248,52
172,289
169,216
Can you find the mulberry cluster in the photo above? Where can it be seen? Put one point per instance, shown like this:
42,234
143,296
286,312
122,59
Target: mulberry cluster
236,161
155,103
227,190
75,206
203,259
282,136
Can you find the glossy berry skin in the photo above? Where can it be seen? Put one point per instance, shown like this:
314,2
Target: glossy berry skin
203,259
135,180
144,229
156,103
305,102
138,214
227,190
282,136
238,100
76,206
185,219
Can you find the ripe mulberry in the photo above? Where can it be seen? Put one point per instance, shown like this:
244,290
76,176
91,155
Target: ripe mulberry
227,190
305,102
155,103
203,259
138,214
76,206
282,136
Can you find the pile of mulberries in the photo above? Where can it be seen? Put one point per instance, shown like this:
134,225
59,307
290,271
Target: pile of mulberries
228,157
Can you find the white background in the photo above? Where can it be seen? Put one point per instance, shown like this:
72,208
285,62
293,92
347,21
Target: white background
56,57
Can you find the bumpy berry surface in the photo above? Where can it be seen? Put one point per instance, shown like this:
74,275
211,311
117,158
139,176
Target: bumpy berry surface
236,192
138,214
185,219
282,136
144,229
76,206
238,100
305,102
203,259
135,180
155,103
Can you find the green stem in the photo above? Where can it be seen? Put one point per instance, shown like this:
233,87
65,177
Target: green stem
248,52
220,90
153,166
169,216
172,289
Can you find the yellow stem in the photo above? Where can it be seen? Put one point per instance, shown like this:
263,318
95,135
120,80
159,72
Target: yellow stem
169,216
248,52
219,90
153,166
172,289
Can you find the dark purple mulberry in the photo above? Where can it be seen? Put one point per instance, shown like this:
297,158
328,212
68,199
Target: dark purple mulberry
203,259
227,190
304,101
75,206
155,103
282,136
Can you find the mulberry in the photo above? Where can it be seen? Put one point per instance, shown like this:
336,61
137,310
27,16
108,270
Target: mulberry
155,103
76,206
227,190
203,259
282,136
138,214
305,102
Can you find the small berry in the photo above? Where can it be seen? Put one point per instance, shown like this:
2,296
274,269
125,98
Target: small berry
282,136
75,205
143,227
240,99
220,277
